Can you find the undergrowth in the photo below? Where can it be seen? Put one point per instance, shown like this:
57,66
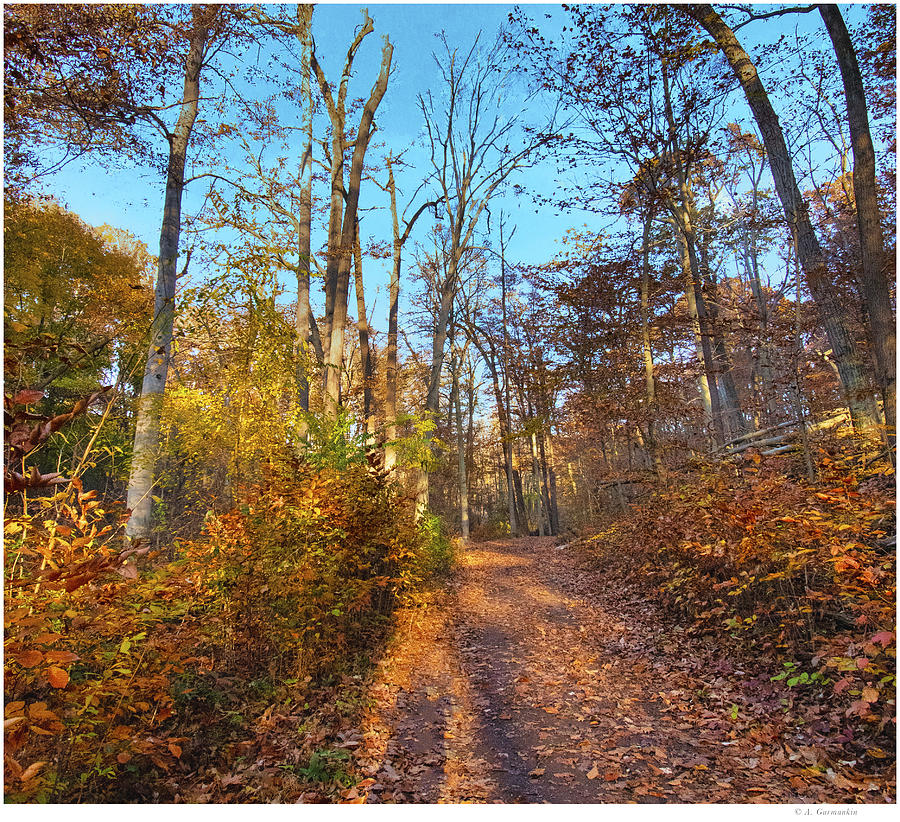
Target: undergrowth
795,578
126,685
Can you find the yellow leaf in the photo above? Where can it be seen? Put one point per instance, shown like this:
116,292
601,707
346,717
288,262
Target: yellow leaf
593,773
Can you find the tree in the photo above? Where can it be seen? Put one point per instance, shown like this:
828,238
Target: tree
876,288
77,77
469,138
846,355
205,26
344,204
76,300
391,366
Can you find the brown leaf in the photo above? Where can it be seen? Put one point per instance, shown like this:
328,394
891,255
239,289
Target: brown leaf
27,396
32,771
612,775
537,772
593,773
61,657
28,659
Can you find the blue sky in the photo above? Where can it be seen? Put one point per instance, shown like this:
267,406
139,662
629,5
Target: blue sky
133,199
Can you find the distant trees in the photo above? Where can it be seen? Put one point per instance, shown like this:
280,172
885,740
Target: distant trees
474,148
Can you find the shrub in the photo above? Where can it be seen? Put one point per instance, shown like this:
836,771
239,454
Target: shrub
303,571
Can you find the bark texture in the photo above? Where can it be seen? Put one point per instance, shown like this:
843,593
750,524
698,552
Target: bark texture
875,285
146,436
846,355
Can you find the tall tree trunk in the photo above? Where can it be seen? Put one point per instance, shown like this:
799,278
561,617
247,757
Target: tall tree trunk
303,331
863,410
149,410
522,515
649,377
391,366
542,518
764,349
733,414
341,230
367,361
462,475
489,357
513,529
875,285
693,292
549,489
439,340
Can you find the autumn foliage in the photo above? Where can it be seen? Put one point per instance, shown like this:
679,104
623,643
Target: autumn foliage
110,671
796,577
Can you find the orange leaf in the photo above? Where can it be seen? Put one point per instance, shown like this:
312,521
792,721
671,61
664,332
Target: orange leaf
14,708
28,659
175,750
123,757
593,773
613,775
57,677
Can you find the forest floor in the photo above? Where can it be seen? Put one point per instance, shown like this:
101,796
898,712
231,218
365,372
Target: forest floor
530,680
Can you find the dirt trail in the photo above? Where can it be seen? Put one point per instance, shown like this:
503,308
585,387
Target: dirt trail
524,683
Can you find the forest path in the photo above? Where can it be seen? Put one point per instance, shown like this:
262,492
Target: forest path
524,683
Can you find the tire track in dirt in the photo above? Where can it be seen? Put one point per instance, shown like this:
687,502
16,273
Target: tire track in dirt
518,685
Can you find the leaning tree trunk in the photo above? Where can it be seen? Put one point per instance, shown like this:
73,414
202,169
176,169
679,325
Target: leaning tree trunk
875,286
149,410
863,410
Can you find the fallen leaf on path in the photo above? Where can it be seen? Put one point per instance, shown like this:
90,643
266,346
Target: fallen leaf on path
612,775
